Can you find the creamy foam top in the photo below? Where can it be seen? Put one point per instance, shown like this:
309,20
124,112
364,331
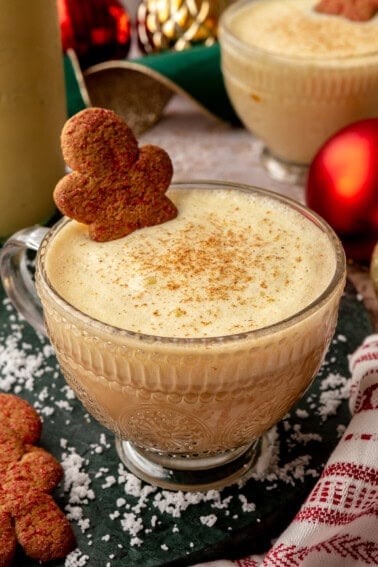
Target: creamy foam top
292,27
230,262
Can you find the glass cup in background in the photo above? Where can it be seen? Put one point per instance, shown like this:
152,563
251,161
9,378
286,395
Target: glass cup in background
165,398
294,103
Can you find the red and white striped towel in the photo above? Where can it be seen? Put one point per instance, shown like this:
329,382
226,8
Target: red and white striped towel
337,526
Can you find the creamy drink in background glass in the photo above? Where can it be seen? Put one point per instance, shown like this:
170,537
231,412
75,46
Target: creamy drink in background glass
32,112
189,339
296,76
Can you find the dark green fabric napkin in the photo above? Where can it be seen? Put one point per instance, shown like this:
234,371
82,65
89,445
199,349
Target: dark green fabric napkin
119,521
196,71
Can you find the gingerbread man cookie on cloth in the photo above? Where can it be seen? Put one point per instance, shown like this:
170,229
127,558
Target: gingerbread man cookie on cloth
115,186
28,475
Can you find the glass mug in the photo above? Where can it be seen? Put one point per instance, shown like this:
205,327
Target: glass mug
189,413
293,103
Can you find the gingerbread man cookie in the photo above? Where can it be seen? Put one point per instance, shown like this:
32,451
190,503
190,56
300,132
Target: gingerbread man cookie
28,474
115,186
355,10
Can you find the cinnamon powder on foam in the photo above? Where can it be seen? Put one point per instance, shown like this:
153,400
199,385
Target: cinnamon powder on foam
223,266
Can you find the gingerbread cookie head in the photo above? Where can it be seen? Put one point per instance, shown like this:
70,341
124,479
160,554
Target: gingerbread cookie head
115,186
354,10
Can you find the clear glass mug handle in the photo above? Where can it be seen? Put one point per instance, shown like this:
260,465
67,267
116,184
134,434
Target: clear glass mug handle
17,278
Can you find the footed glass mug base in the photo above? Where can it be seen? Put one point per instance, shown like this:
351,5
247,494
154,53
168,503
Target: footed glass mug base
175,472
280,170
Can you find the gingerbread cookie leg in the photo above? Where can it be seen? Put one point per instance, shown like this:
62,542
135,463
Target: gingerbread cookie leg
43,530
8,541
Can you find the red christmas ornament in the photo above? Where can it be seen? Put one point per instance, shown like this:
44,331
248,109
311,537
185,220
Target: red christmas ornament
97,30
342,186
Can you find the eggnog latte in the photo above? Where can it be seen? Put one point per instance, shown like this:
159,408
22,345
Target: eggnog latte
231,262
191,338
296,76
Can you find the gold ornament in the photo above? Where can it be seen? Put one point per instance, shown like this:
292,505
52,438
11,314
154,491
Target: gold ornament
177,24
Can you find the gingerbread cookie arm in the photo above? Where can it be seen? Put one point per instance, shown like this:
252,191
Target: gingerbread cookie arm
76,197
38,467
152,172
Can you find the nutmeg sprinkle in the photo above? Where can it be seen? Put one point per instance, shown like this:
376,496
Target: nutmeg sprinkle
229,263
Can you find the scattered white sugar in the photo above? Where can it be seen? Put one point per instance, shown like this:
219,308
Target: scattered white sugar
68,392
302,413
136,541
17,367
43,395
164,547
101,471
342,338
47,349
45,411
109,481
333,390
74,512
131,523
76,483
106,537
120,502
299,437
269,468
64,405
76,559
84,525
340,430
104,441
246,506
217,501
114,515
209,520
